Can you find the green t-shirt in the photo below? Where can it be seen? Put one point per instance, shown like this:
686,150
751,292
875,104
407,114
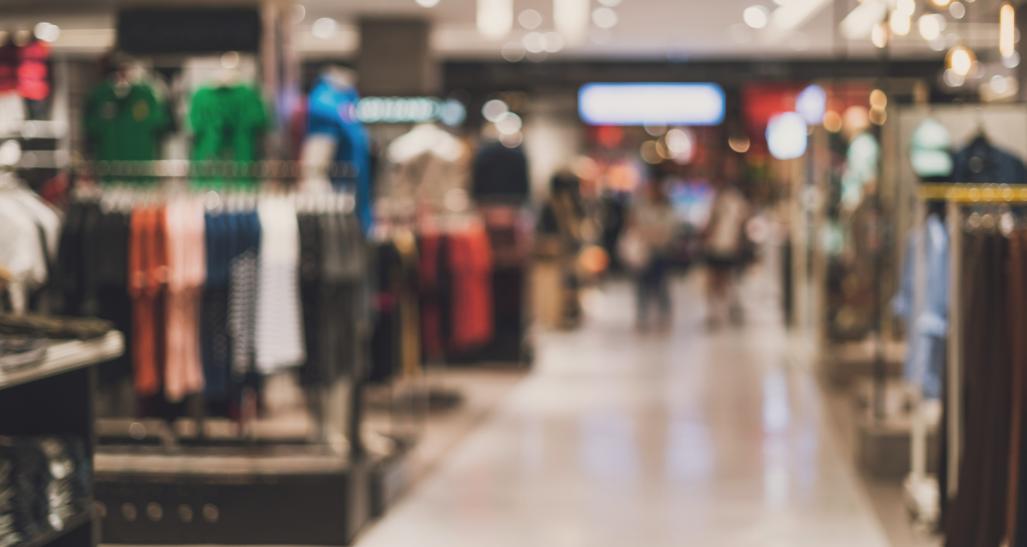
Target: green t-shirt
228,123
125,126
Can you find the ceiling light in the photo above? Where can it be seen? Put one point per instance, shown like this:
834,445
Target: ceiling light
571,18
907,7
427,3
554,42
999,84
534,42
47,32
230,60
941,3
661,149
512,140
494,109
960,60
811,104
680,144
605,18
530,19
495,17
650,153
952,79
1007,30
324,28
879,35
739,144
655,130
957,10
452,112
878,99
756,17
1012,61
509,124
832,121
930,26
787,136
900,23
860,22
513,52
795,13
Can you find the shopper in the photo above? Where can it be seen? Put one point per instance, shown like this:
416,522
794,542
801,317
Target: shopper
651,227
724,242
560,239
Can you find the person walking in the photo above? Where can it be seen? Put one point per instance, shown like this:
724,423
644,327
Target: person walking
651,228
724,244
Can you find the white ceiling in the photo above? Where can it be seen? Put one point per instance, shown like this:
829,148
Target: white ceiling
676,29
651,28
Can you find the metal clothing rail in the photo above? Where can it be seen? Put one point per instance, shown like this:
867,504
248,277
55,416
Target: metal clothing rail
185,169
984,194
128,196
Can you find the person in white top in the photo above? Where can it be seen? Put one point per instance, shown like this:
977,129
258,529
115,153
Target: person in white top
653,223
724,241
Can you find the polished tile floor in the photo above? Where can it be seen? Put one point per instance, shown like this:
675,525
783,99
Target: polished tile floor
620,439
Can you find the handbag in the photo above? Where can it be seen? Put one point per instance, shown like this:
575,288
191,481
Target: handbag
632,250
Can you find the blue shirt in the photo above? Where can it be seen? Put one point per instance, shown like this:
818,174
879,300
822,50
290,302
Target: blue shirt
927,326
332,112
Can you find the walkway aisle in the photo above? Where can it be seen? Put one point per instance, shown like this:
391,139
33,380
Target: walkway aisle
624,440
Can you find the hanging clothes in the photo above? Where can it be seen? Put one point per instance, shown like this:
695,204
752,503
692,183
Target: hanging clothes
332,258
147,261
927,321
244,275
980,161
279,327
186,273
211,292
500,173
125,121
395,342
977,516
470,264
455,276
28,250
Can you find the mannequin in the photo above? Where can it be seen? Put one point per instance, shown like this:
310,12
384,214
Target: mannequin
336,136
125,116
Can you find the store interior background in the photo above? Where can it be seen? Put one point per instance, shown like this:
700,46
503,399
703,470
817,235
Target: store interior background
861,126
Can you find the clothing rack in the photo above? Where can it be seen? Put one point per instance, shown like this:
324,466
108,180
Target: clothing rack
325,477
280,170
923,492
